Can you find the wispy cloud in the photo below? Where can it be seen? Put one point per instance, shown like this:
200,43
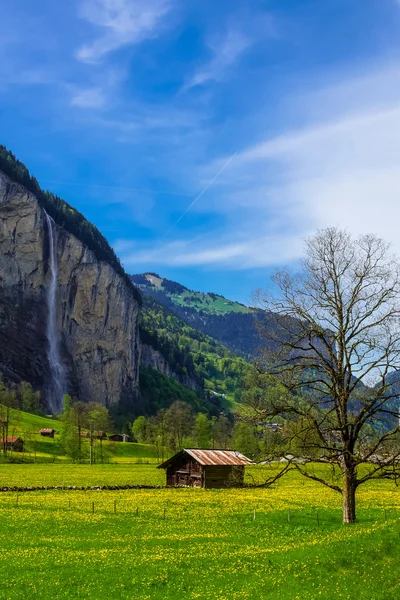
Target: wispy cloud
339,170
122,23
88,98
241,254
227,45
226,52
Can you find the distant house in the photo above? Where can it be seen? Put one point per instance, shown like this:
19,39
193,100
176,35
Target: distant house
46,432
14,443
195,467
97,435
119,437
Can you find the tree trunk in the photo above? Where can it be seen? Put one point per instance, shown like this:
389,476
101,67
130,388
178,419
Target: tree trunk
349,496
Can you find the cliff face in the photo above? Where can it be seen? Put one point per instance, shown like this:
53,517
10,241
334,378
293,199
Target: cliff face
97,316
153,358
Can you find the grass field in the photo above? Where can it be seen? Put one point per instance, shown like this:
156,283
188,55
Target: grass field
208,546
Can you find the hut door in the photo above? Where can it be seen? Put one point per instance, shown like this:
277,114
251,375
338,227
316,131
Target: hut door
183,479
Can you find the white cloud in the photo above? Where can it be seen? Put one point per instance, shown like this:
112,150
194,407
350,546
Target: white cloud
240,254
88,98
344,172
226,51
340,167
123,22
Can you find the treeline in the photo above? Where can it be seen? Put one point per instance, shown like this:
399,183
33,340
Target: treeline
65,216
20,396
179,427
83,435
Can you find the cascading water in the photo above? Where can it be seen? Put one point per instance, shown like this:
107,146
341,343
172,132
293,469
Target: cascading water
56,395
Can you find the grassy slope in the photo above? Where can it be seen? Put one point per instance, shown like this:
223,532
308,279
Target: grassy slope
26,421
47,449
210,303
213,305
208,546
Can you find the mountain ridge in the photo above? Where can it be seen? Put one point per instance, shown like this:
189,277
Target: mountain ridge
231,323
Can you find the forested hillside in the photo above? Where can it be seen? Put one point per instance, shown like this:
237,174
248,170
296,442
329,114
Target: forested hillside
229,322
189,351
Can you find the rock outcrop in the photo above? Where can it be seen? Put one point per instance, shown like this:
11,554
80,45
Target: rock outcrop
97,315
153,358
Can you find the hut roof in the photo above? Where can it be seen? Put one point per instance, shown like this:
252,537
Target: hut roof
46,430
11,439
211,457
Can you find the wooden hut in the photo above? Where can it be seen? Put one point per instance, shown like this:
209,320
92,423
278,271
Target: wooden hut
13,443
47,432
195,467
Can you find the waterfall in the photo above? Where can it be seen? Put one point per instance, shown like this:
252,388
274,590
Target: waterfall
56,395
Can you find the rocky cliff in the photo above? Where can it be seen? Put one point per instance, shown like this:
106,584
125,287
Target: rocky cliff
154,359
97,314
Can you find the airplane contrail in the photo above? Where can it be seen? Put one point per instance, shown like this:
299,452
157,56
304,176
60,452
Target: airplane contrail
198,197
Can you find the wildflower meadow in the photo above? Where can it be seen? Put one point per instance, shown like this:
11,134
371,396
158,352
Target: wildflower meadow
285,542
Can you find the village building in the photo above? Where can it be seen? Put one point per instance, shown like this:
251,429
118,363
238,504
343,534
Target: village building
46,432
195,467
119,437
13,443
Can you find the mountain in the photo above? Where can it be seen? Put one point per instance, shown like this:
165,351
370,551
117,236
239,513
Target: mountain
64,298
190,356
231,323
72,321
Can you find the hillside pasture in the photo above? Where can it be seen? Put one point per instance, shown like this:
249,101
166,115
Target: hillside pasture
43,449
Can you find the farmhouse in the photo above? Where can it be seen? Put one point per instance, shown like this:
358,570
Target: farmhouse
46,432
195,467
13,442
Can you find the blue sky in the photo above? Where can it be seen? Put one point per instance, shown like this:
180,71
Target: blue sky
269,119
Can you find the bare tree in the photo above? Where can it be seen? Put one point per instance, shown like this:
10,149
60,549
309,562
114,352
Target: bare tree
332,337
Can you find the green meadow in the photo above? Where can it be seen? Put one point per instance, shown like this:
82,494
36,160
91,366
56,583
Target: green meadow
284,542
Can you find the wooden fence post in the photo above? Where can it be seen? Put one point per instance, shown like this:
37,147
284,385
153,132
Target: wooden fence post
317,519
115,506
92,507
288,515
